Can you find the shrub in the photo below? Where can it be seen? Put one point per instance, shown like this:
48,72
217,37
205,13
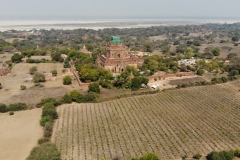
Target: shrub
197,156
200,72
224,155
32,69
76,96
94,87
46,120
43,140
89,97
38,77
47,100
237,152
45,151
17,107
54,72
106,84
67,80
48,130
11,113
3,108
49,110
23,87
66,99
150,156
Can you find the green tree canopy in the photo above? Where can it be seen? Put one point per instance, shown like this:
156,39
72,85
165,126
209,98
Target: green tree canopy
94,87
47,151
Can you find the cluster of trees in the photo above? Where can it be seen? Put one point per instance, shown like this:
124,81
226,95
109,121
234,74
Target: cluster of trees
130,79
12,107
30,52
156,63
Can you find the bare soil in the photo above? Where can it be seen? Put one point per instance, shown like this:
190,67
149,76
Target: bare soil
19,133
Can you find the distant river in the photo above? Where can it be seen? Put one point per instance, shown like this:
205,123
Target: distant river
102,23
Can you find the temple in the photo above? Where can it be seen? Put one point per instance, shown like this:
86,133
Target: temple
117,58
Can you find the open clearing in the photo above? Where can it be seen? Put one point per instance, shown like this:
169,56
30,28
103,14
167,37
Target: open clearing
19,75
19,133
171,124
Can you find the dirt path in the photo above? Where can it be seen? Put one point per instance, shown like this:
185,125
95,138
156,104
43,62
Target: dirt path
19,133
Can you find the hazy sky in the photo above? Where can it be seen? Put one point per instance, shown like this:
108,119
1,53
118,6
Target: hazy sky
119,8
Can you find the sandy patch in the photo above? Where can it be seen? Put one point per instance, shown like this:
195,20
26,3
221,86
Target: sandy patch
19,133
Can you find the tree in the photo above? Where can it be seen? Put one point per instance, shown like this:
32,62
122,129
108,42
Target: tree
94,87
188,53
32,69
67,80
45,151
136,83
76,96
16,58
223,155
0,85
38,77
56,56
148,48
216,51
150,156
200,72
235,38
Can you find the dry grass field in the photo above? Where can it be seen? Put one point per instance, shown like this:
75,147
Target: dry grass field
171,124
20,76
5,57
19,133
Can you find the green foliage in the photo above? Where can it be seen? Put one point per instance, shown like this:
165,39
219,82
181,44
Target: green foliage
219,80
46,120
76,96
150,156
56,56
106,84
237,152
11,113
89,97
38,77
234,72
197,156
200,72
223,155
66,99
16,58
235,38
137,82
216,51
43,140
49,110
66,64
33,69
188,53
148,48
17,107
47,100
54,72
3,108
67,80
23,87
94,87
47,151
